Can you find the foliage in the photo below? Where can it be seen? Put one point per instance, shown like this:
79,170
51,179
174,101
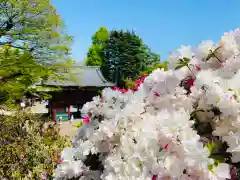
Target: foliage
130,84
19,71
28,146
157,66
126,48
126,56
33,46
33,26
182,123
95,52
78,124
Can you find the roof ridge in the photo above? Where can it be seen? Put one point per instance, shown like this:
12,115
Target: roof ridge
87,75
101,76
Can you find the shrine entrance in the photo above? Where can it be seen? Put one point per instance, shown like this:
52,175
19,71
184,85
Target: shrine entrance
68,103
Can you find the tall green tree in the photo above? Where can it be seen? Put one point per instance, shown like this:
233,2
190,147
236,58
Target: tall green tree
126,56
33,46
33,26
95,52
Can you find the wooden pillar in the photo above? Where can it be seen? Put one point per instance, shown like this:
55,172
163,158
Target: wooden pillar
54,112
49,106
69,113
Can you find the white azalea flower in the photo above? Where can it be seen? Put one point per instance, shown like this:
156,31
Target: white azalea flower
154,133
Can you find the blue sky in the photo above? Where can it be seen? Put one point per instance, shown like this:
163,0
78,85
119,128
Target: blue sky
164,25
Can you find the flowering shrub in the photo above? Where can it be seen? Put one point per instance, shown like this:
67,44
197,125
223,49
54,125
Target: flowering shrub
182,124
29,147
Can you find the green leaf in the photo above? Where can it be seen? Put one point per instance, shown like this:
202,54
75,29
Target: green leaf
179,66
210,167
186,60
78,124
213,53
182,63
211,146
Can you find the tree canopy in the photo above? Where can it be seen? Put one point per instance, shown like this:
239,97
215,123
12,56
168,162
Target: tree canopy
95,52
33,26
33,46
126,56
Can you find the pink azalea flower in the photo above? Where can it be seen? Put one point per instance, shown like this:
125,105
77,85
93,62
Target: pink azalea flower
190,81
59,161
198,68
156,94
138,82
86,119
154,177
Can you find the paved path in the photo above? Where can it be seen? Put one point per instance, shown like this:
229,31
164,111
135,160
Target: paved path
68,129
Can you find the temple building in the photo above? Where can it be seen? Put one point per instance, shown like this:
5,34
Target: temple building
73,94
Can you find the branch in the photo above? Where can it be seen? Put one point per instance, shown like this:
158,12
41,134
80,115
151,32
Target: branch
12,76
18,47
9,25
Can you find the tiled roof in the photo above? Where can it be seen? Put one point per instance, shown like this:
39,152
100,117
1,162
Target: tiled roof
84,76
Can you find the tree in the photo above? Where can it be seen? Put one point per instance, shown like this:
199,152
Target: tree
19,71
33,26
126,56
95,52
33,46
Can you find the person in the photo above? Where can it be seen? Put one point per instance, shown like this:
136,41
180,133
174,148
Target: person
60,119
71,119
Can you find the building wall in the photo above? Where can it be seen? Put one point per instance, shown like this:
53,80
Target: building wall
72,97
68,98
